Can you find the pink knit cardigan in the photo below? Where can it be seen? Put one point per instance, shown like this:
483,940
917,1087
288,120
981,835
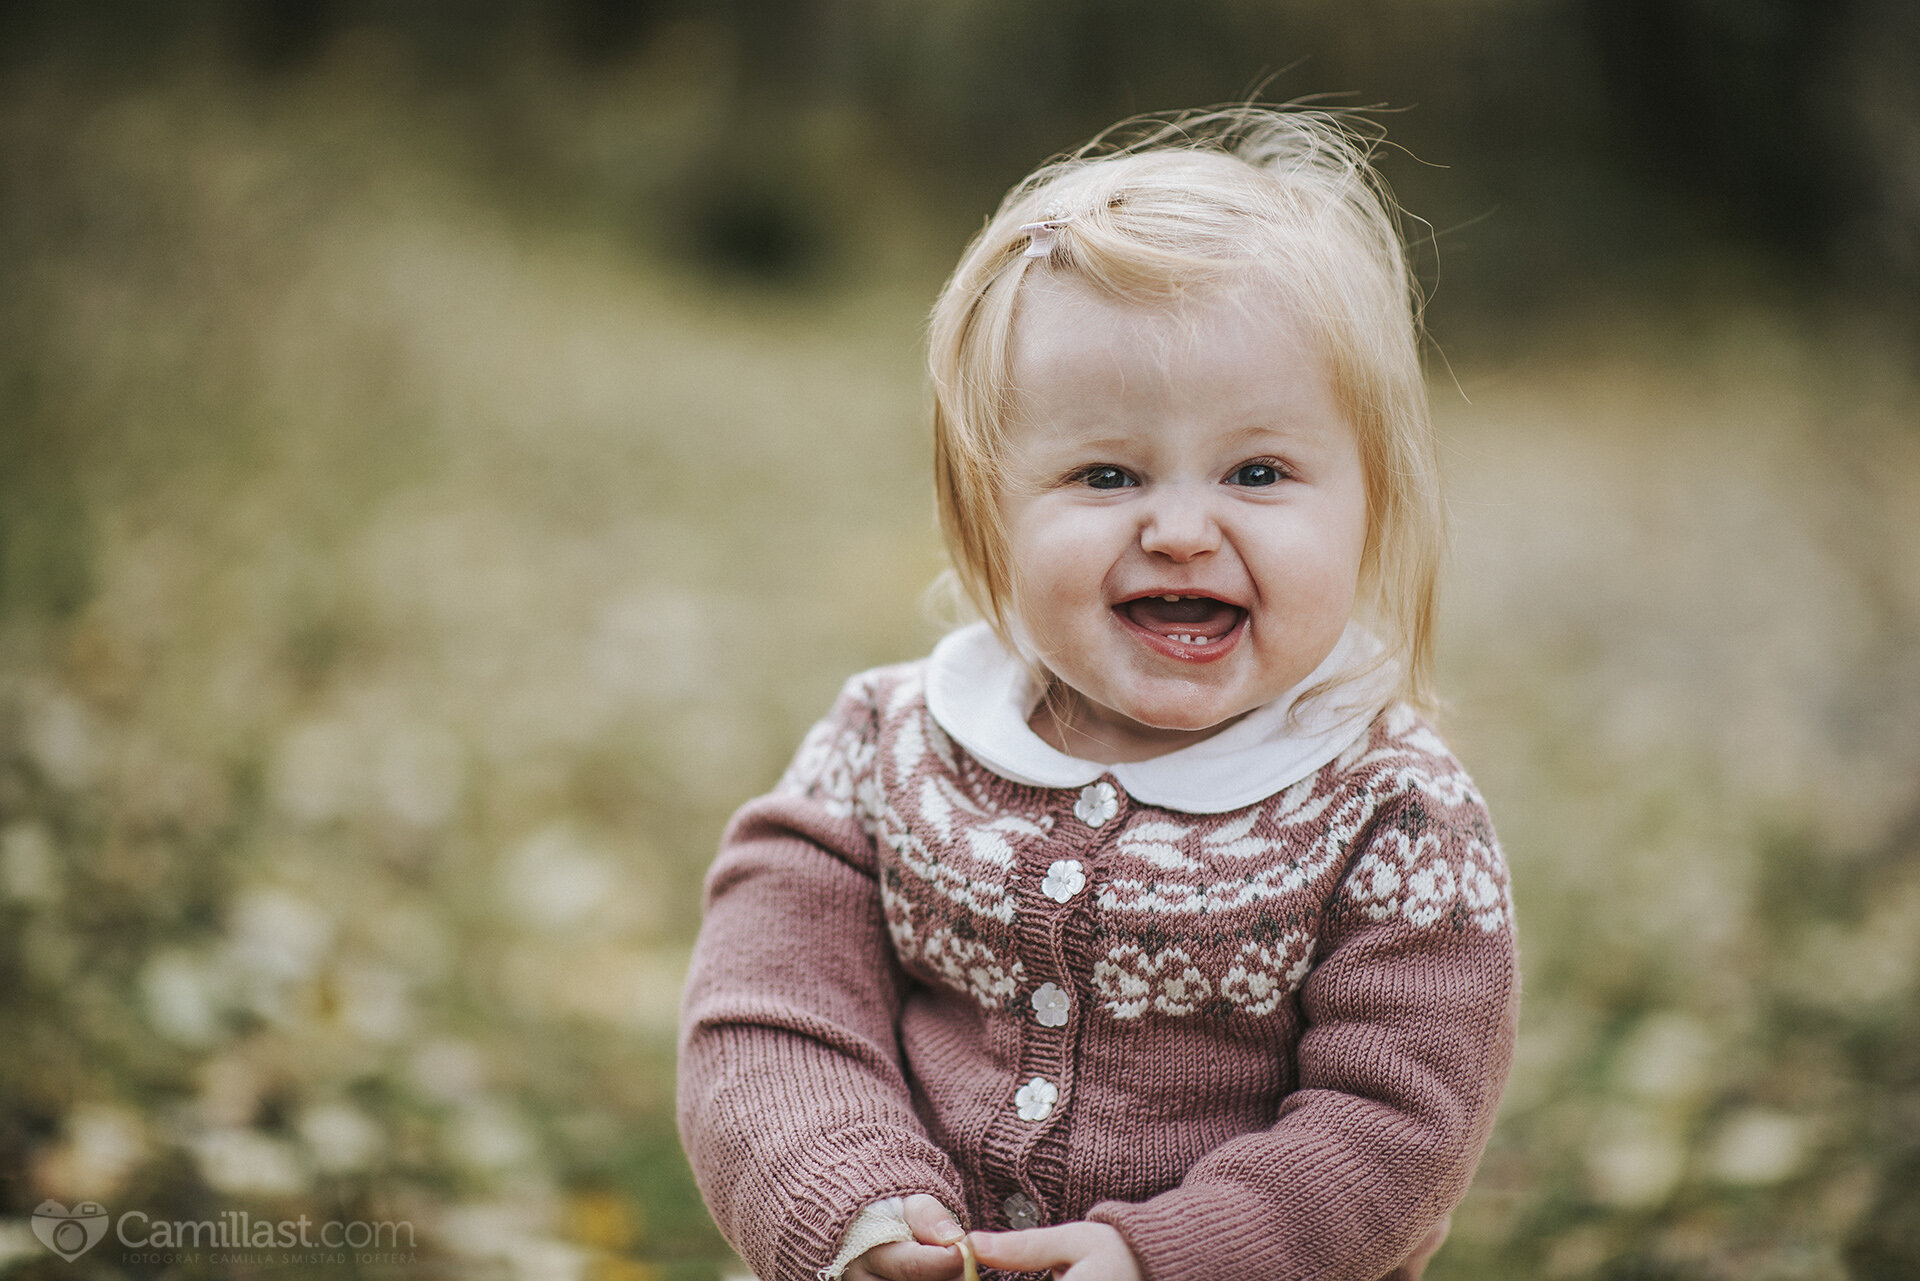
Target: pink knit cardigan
1263,1045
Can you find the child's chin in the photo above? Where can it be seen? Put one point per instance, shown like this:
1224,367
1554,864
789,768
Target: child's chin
1181,720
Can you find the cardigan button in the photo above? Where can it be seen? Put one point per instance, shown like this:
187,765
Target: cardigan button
1050,1005
1098,802
1021,1211
1034,1101
1064,879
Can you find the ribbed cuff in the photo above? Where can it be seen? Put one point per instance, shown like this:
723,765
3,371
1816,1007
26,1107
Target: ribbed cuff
828,1197
882,1223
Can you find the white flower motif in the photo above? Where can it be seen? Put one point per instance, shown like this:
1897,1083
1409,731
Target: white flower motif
969,965
829,766
1416,879
1049,1005
1065,878
1183,990
1430,891
1376,884
1132,981
1036,1098
1263,976
1484,890
1098,802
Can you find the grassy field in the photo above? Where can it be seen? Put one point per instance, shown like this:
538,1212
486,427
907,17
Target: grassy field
401,586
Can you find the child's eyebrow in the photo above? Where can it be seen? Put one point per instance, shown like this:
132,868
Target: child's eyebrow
1066,436
1109,444
1278,431
1263,432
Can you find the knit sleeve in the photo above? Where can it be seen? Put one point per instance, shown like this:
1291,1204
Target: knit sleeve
1409,1020
793,1107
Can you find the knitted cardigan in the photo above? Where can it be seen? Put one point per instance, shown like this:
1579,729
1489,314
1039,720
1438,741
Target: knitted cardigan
1266,1043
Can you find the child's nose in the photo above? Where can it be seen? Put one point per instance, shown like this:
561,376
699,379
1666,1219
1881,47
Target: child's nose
1179,525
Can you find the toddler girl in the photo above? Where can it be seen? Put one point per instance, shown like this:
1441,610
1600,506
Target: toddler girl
1145,927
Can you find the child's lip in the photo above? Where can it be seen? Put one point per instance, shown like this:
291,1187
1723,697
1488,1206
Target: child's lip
1151,592
1185,651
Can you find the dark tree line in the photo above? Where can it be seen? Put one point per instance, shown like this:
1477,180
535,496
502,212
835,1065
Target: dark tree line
1601,135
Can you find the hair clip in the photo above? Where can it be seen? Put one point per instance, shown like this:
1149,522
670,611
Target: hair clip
1040,235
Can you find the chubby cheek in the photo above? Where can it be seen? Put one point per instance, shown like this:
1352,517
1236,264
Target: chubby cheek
1332,594
1345,577
1332,613
1057,561
1310,583
1338,558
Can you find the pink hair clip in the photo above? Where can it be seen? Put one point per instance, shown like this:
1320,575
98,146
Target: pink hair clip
1040,235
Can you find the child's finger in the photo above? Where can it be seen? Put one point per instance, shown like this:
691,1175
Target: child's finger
906,1261
1035,1249
931,1223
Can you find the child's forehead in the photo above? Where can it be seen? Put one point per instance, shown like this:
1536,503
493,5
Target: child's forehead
1066,324
1088,365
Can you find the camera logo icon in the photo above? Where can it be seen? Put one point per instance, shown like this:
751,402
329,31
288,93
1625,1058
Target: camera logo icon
70,1233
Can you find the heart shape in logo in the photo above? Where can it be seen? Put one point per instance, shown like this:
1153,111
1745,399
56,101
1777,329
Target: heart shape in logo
70,1233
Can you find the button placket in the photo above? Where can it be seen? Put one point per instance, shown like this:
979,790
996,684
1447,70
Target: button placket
1036,1101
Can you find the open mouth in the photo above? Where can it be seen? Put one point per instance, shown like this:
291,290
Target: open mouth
1190,626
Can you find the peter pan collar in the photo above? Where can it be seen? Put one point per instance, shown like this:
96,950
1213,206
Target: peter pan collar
981,694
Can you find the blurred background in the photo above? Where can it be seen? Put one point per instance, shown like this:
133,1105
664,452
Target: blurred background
450,452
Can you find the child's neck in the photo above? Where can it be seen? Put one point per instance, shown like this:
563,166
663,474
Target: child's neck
1068,725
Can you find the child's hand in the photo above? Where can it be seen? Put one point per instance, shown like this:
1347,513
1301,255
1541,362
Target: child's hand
930,1256
1074,1251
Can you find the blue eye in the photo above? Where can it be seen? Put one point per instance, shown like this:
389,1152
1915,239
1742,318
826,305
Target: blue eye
1255,475
1105,477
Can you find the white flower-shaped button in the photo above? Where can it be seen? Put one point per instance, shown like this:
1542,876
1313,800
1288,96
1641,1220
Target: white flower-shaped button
1065,878
1049,1005
1036,1098
1098,802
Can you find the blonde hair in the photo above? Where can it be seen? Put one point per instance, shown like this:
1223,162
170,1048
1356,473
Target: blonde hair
1286,199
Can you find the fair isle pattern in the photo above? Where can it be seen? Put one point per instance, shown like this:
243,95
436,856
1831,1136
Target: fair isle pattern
1413,878
1193,913
1131,981
829,764
965,963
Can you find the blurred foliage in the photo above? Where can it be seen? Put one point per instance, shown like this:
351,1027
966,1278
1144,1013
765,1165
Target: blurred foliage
1565,144
448,454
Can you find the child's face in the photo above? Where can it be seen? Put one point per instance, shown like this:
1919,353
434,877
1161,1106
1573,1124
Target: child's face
1203,457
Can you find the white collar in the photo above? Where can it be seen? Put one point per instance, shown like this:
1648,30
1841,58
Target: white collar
981,694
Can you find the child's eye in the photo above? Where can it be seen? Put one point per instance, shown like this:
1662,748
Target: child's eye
1105,477
1256,475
